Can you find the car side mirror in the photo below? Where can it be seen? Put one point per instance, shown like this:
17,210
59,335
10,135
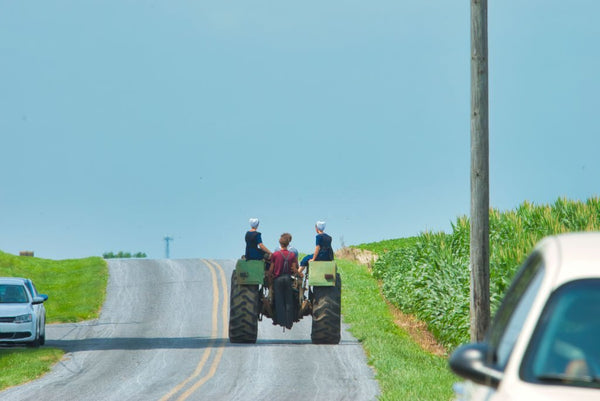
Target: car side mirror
44,296
38,300
472,362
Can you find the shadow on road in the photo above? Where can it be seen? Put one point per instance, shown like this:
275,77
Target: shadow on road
287,343
136,343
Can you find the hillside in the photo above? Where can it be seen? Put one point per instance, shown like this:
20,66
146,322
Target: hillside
76,287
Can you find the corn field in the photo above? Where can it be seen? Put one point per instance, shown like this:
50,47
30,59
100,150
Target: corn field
429,277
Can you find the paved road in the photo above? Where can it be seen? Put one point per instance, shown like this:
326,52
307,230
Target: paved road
162,335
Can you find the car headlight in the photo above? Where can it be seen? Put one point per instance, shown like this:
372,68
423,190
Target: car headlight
24,318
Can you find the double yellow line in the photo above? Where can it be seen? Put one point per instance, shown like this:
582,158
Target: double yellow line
195,379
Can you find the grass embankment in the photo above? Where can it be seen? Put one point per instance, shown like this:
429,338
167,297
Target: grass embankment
76,290
20,365
403,369
428,276
382,247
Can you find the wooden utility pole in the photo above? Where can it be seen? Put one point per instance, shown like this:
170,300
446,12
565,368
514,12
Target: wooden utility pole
480,226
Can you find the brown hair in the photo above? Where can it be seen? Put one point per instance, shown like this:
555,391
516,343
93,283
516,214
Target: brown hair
285,239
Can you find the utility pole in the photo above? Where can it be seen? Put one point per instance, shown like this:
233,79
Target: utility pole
480,212
167,239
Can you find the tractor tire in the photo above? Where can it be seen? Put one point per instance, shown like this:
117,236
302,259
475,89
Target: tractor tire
243,312
326,313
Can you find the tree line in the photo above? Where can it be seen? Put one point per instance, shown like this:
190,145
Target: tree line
123,255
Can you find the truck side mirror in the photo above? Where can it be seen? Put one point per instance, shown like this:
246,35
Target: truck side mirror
471,361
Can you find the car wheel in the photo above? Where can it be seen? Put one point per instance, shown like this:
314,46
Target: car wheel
36,342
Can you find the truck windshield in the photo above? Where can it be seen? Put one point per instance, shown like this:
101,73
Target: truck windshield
565,347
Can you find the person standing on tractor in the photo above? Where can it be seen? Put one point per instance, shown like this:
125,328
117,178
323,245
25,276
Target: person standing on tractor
255,249
323,249
284,264
293,250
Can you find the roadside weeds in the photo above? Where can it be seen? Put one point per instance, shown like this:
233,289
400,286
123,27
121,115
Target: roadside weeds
403,367
413,326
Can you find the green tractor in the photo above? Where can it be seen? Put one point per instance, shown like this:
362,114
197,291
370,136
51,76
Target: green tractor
318,294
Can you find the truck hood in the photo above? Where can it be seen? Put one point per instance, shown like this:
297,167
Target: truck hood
549,393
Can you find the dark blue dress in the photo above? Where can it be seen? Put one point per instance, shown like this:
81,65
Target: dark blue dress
325,250
253,252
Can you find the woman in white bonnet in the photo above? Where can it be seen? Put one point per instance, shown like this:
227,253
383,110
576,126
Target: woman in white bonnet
323,249
255,249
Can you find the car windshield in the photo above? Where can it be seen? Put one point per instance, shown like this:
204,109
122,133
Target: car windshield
30,287
565,347
13,294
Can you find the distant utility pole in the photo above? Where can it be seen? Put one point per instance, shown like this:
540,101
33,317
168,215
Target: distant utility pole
480,198
167,239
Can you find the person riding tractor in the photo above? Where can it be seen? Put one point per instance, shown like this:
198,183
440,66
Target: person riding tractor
284,265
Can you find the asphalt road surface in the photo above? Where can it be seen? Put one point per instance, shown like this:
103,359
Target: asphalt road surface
163,335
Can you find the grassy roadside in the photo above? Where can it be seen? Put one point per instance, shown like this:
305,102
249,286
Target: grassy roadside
403,369
76,290
76,287
19,365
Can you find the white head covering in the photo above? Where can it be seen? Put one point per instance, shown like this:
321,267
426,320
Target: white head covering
254,222
320,225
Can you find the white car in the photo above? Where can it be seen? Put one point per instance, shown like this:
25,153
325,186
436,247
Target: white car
544,341
22,312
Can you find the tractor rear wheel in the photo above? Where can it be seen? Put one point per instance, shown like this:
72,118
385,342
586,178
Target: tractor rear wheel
243,312
326,313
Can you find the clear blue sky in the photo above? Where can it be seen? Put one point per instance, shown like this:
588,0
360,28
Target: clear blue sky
125,121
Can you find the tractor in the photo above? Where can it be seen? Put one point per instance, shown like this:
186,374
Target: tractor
318,294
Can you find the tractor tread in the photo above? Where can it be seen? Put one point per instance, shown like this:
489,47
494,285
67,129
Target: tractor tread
326,314
243,312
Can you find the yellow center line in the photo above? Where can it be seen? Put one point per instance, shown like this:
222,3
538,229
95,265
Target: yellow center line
214,330
225,304
225,327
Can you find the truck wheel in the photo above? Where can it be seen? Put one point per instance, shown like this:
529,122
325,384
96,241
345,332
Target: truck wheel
326,313
243,312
